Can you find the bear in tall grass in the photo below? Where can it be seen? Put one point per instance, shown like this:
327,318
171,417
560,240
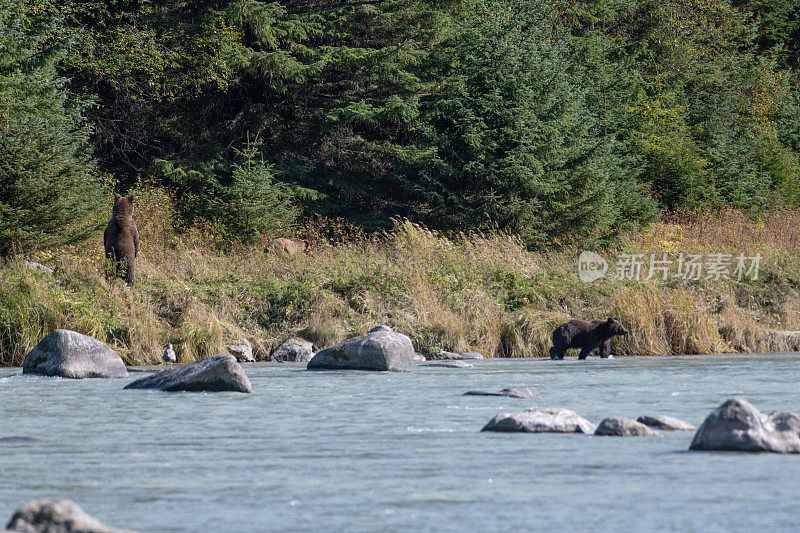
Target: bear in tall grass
587,336
121,240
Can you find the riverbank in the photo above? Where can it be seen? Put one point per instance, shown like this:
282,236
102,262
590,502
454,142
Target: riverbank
472,292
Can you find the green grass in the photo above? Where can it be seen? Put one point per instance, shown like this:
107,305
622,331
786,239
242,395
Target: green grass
468,292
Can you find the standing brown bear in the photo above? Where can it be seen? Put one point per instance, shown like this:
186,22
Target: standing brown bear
121,239
587,336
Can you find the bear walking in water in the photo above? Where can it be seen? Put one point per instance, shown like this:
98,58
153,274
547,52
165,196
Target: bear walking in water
121,239
587,336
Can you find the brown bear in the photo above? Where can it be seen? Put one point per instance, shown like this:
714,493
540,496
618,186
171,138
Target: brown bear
289,246
121,239
587,336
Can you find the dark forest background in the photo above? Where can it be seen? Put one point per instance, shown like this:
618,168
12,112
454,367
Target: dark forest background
559,121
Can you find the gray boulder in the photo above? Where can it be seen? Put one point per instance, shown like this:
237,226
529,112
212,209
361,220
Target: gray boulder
511,392
738,426
617,426
666,423
56,516
461,355
541,421
451,364
242,350
379,349
215,373
293,350
69,354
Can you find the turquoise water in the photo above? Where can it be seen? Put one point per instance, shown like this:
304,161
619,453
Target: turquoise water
357,451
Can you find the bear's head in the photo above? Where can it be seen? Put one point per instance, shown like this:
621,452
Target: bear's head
123,206
615,327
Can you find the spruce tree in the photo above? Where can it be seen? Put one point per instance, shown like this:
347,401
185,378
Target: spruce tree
48,194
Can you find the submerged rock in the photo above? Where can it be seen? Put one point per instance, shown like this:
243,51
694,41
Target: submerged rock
419,357
451,364
380,348
511,392
216,373
15,439
293,350
618,426
242,350
69,354
738,426
56,516
461,355
666,423
541,421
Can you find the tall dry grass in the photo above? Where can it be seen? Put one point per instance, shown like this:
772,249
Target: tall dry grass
482,292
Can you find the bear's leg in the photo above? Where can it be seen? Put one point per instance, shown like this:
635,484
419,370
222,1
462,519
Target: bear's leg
585,351
128,264
605,349
555,353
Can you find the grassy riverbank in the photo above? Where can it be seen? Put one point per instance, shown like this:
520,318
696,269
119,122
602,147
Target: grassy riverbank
481,292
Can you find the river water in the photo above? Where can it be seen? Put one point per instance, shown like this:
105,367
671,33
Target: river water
359,451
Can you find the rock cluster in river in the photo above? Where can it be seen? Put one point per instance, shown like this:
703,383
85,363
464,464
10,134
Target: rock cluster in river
69,354
618,426
737,425
451,364
56,516
381,349
216,373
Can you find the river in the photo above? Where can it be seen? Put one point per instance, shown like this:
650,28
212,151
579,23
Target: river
360,451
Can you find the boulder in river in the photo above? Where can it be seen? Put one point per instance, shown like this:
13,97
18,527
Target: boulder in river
293,350
666,423
56,516
737,425
381,348
541,420
69,354
618,426
511,392
242,350
451,364
216,373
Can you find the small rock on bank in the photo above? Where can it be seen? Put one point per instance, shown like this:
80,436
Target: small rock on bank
216,373
69,354
511,392
617,426
541,421
293,350
737,425
242,350
56,516
380,349
666,423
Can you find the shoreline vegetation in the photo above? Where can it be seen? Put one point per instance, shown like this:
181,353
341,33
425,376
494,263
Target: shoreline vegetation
478,291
